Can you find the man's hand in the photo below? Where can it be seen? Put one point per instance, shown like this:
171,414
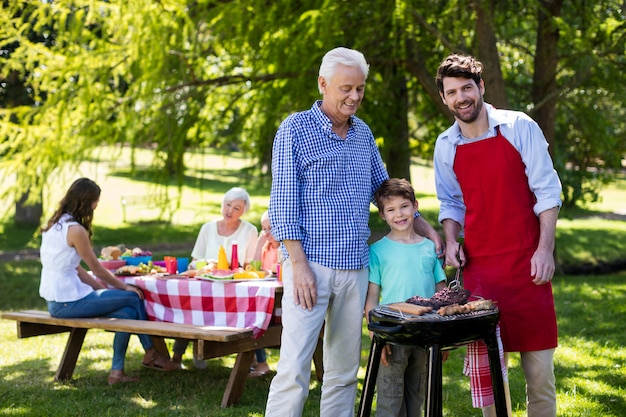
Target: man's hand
542,266
542,262
304,286
304,282
455,256
423,228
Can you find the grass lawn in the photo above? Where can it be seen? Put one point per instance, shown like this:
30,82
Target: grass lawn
590,362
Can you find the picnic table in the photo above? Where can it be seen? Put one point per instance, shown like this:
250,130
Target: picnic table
220,318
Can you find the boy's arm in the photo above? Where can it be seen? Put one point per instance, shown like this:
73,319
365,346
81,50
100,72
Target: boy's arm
373,293
371,301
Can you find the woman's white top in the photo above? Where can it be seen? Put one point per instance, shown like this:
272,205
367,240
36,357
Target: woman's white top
209,240
59,276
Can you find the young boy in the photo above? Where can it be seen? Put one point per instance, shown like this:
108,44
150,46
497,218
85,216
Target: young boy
402,264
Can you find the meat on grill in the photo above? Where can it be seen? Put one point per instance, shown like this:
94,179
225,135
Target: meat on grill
476,305
445,297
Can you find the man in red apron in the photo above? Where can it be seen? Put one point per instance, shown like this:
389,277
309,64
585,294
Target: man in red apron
496,183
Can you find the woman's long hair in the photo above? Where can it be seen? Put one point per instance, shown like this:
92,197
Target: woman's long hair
78,203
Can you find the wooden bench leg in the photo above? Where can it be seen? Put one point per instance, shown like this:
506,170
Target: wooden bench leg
237,379
70,355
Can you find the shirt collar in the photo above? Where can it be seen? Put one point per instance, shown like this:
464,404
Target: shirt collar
495,119
324,121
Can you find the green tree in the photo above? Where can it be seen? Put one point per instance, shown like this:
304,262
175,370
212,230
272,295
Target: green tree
177,75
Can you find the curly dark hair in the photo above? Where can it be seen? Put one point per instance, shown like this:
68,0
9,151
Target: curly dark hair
459,66
78,203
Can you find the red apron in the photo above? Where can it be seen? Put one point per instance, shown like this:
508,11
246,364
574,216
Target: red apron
501,235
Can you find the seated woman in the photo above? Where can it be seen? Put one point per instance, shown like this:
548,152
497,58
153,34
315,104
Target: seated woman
71,292
229,230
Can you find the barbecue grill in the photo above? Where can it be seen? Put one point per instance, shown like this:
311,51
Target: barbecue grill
433,333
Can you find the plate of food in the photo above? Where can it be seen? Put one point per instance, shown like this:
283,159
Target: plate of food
227,280
141,269
228,275
128,270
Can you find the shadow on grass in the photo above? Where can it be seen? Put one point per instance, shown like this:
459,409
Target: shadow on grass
31,390
606,248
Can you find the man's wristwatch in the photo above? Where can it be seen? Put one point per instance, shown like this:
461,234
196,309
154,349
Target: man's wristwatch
416,214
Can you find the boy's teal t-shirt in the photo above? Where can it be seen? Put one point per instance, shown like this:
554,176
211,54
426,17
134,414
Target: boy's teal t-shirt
404,270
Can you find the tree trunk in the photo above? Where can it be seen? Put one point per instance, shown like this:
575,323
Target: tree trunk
495,89
416,67
544,91
396,150
28,214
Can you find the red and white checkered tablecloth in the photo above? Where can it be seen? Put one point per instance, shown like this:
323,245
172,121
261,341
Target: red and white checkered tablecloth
246,304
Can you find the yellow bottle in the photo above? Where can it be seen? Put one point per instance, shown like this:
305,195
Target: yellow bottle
222,261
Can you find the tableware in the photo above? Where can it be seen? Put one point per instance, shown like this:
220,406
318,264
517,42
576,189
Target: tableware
136,260
170,264
112,264
183,264
234,262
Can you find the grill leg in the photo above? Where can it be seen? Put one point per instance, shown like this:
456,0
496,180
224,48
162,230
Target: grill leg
369,383
496,374
433,397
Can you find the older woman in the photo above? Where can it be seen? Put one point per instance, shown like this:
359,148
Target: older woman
229,230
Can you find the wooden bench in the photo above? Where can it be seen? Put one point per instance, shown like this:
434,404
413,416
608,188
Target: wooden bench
209,341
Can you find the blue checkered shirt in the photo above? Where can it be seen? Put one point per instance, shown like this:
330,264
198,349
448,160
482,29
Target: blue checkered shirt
322,186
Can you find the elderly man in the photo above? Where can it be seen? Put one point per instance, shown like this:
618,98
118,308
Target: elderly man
326,168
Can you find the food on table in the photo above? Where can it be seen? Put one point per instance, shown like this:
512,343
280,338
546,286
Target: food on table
444,297
211,265
136,252
141,269
218,274
191,273
127,270
220,270
254,266
249,274
109,253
